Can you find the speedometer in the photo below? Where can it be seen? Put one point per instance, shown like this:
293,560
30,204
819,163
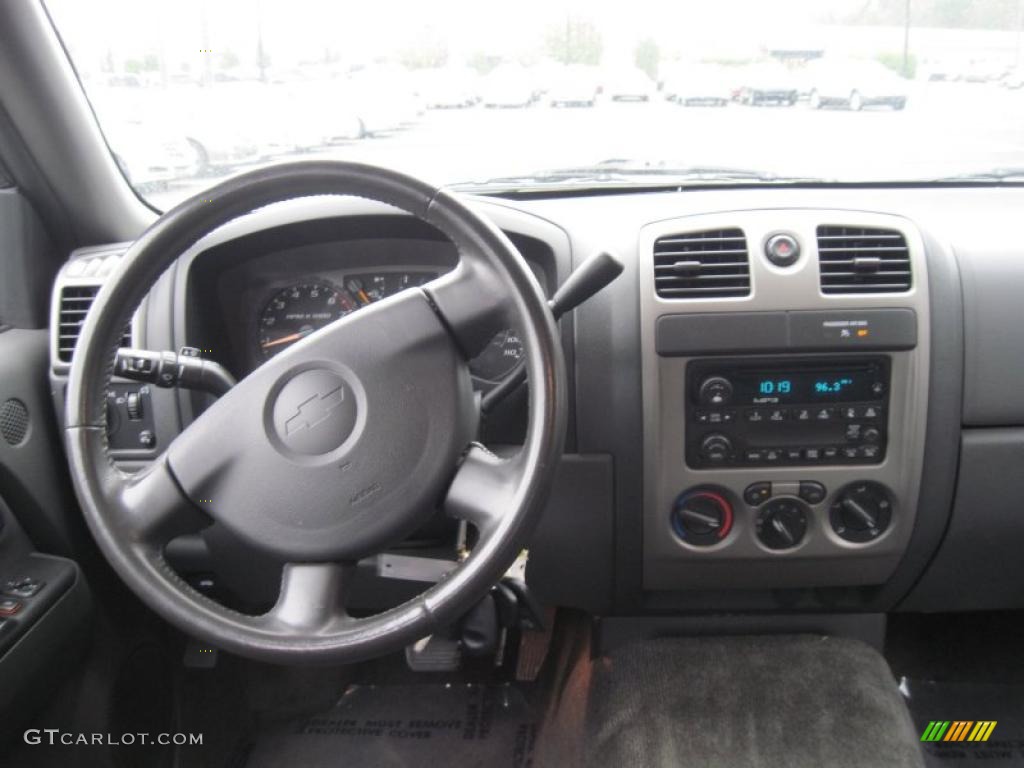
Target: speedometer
297,311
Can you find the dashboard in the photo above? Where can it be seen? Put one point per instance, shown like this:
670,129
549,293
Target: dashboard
796,400
253,300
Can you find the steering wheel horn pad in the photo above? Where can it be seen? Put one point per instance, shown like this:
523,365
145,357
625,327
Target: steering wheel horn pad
335,448
294,483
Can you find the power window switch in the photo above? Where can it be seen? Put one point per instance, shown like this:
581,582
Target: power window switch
9,606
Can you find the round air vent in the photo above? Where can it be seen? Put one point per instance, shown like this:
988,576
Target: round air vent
13,421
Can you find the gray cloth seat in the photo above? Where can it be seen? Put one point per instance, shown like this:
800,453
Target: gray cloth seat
796,701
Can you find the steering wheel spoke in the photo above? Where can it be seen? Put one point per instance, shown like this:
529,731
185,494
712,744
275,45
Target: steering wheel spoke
312,597
153,508
483,488
470,301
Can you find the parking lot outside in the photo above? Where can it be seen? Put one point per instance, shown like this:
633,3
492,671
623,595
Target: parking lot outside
946,128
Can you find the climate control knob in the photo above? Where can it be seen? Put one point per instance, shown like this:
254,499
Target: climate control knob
861,512
714,391
716,448
702,517
782,523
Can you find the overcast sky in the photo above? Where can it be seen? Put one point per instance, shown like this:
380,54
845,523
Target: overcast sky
295,30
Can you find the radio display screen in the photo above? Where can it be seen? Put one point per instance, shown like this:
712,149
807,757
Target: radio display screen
752,387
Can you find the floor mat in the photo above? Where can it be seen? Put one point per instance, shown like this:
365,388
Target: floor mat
408,725
955,701
794,701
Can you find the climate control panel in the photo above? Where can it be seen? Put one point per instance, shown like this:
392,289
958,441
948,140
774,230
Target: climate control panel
754,413
782,515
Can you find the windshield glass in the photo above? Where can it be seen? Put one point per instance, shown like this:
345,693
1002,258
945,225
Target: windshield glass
543,93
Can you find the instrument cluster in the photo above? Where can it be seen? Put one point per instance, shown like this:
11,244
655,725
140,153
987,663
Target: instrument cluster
290,313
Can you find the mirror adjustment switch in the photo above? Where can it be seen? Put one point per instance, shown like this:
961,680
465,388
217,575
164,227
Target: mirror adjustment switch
24,586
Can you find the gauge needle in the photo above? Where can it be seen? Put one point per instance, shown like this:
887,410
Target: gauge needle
284,340
364,297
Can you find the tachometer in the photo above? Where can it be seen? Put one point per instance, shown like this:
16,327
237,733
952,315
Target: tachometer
296,311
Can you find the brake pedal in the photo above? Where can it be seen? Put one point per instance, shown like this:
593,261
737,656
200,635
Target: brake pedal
199,655
434,654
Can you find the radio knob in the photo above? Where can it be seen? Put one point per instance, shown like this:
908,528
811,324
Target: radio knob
715,390
861,512
716,448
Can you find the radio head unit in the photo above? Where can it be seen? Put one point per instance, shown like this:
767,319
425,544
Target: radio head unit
793,412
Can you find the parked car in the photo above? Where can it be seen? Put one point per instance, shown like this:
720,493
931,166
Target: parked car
1013,79
629,85
508,86
855,85
383,99
448,88
697,86
766,83
150,157
573,86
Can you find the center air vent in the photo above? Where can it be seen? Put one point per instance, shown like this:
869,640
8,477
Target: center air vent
702,265
75,301
863,260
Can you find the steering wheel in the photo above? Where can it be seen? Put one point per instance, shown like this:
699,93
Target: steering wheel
335,448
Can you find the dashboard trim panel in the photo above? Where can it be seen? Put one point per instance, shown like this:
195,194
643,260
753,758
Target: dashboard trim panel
822,559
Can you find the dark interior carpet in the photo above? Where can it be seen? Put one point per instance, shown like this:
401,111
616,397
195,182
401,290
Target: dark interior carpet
763,702
467,725
951,701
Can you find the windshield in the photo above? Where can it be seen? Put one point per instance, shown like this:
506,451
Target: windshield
539,94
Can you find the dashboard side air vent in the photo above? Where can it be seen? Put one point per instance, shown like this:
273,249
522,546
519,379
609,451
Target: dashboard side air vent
712,264
75,301
863,260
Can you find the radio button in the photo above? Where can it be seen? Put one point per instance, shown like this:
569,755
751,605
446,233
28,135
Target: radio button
772,455
853,432
793,454
824,414
870,451
851,452
871,435
802,414
811,492
830,453
757,494
812,454
755,415
850,412
873,412
753,456
778,414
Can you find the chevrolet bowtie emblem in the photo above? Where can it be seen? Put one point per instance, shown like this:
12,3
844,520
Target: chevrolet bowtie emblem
315,410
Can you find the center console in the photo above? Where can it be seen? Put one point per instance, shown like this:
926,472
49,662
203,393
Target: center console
785,378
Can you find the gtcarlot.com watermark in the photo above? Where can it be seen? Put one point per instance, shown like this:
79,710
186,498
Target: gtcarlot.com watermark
55,737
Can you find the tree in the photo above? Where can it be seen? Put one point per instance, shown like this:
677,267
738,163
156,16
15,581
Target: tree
647,57
229,59
483,63
425,54
575,42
